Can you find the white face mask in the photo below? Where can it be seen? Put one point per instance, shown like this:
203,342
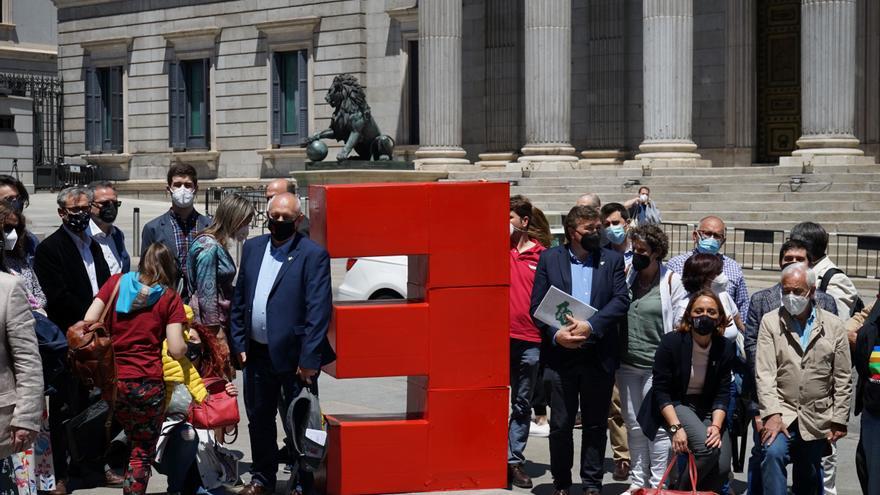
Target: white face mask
794,304
182,197
11,239
719,285
242,233
643,198
512,230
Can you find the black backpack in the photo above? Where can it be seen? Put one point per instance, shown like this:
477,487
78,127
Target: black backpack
857,306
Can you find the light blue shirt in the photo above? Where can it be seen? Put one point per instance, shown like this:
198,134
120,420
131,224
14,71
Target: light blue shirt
273,258
807,330
581,278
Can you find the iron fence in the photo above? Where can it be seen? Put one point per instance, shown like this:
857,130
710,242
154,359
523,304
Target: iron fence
857,255
755,249
679,235
46,93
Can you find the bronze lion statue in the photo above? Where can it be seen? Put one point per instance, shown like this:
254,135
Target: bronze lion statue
352,123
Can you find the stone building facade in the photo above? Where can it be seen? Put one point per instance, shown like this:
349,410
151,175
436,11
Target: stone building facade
232,86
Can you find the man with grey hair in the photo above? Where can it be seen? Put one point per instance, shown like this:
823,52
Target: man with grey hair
803,373
278,186
105,208
589,199
70,268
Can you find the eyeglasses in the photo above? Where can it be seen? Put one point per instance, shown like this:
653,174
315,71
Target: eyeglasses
715,235
107,203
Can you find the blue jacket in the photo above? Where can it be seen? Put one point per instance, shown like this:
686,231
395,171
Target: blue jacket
609,295
299,307
119,239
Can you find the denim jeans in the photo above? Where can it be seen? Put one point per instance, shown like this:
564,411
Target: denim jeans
806,460
524,357
649,458
870,439
754,480
179,455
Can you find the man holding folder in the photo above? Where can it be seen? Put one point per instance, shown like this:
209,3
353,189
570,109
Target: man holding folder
581,356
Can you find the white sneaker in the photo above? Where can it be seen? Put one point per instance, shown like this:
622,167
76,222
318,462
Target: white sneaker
536,430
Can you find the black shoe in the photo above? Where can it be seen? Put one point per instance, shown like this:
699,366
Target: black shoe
518,476
561,492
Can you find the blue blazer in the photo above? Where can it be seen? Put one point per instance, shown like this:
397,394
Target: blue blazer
119,240
609,295
299,306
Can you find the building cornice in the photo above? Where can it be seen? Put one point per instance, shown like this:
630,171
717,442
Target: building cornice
194,42
17,52
63,4
306,24
404,15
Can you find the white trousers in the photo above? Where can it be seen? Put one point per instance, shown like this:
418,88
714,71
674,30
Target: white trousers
648,460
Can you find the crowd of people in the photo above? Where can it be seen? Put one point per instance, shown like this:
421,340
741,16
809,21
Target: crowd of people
671,351
180,329
679,350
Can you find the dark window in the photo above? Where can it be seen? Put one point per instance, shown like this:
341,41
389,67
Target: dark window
7,123
290,111
104,109
189,109
412,70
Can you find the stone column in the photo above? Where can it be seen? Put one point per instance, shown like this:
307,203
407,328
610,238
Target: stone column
828,84
548,81
440,85
668,81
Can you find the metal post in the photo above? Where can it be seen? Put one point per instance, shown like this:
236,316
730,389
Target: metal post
136,226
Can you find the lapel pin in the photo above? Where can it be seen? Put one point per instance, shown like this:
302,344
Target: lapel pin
289,258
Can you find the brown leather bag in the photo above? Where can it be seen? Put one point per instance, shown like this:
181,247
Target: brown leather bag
90,352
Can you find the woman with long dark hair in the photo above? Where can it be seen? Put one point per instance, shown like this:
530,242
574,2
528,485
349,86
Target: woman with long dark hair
145,311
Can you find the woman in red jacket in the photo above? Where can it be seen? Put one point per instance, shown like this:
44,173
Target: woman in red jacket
145,311
529,237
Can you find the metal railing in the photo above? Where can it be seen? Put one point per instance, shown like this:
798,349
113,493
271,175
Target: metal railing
255,195
858,255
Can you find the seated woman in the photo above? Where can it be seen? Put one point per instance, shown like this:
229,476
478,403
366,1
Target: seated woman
691,390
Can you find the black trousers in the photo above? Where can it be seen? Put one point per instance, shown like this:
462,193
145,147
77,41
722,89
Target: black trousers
588,385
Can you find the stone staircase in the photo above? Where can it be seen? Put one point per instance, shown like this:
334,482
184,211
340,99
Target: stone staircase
845,200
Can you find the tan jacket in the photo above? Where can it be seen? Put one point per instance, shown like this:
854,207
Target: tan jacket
21,372
813,386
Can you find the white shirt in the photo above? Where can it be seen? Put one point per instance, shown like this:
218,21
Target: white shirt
699,365
840,287
273,258
108,247
83,242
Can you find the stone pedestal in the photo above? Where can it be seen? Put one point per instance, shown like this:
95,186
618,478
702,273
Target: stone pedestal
668,61
495,160
590,158
440,86
548,83
828,71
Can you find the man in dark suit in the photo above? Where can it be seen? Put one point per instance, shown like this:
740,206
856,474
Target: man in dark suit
71,268
279,186
280,315
582,356
762,302
177,227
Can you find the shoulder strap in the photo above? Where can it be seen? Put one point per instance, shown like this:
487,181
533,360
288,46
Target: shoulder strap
826,278
110,301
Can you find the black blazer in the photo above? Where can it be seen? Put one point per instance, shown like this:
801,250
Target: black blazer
672,371
867,397
609,295
64,279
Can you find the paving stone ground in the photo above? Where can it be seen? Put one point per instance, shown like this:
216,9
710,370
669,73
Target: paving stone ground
388,395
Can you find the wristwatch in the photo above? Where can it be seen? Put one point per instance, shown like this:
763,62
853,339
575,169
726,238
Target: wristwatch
675,428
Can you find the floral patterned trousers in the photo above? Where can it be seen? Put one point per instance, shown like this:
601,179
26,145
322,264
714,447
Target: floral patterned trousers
139,409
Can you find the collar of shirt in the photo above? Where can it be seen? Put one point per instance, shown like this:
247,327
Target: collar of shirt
525,254
96,232
81,240
576,261
184,223
805,330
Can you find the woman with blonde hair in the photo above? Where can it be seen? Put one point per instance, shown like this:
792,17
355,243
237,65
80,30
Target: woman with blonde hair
146,311
211,269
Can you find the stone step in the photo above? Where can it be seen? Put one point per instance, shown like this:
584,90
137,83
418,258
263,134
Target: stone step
864,201
632,172
695,178
810,183
840,226
580,187
761,279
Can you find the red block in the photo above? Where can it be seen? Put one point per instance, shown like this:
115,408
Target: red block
468,327
379,339
370,219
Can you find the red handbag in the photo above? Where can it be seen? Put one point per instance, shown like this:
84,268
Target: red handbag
692,468
218,410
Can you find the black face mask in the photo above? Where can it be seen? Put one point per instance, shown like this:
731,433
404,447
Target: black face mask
705,325
280,230
193,351
77,222
640,262
590,242
108,213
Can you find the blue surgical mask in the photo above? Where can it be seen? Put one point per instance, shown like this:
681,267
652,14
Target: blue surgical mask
708,245
616,234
